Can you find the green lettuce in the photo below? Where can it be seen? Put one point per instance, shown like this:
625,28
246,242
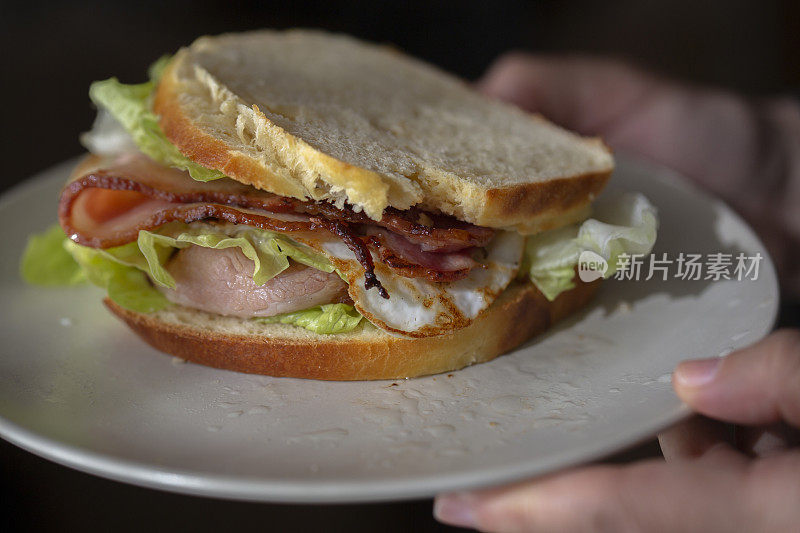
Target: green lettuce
46,262
624,225
52,259
126,285
122,271
130,105
550,258
329,318
270,252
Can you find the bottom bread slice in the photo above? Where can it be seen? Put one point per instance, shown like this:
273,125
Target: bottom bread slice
365,353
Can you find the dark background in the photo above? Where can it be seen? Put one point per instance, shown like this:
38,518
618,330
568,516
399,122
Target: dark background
51,51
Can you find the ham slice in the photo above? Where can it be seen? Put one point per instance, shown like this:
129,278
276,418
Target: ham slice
108,207
221,282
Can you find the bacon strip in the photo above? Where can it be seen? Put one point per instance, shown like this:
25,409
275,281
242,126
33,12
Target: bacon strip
157,208
444,234
151,212
410,260
356,245
148,195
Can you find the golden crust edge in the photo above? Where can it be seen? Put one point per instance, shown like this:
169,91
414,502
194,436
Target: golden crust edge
212,152
519,314
528,207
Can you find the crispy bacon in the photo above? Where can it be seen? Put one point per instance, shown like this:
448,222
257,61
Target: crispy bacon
442,233
434,232
147,212
356,245
410,260
147,195
154,209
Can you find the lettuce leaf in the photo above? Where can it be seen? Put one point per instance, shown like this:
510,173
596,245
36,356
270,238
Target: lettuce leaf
46,262
51,259
550,258
121,270
107,136
270,252
156,70
130,105
626,224
126,285
329,318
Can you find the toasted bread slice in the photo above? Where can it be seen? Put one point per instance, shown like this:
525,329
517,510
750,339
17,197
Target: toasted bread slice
362,354
309,114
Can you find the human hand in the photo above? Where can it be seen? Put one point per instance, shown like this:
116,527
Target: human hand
708,482
710,135
743,150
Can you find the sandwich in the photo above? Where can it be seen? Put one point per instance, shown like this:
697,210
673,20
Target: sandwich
299,203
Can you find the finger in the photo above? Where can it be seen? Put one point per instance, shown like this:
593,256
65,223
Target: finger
772,491
757,385
695,438
709,135
583,94
651,496
767,441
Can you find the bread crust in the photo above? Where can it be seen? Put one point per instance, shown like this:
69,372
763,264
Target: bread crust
525,207
537,207
528,208
520,313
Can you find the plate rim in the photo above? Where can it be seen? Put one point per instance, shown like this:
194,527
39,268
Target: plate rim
313,491
147,475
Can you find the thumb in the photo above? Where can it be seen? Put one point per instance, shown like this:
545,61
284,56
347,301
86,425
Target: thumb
651,496
757,385
583,94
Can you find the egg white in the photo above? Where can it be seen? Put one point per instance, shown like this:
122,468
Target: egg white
417,307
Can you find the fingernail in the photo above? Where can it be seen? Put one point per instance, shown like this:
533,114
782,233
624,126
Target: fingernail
455,509
697,373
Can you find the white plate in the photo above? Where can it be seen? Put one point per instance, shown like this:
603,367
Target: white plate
79,388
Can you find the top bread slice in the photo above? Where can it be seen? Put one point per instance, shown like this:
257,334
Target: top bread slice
309,114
